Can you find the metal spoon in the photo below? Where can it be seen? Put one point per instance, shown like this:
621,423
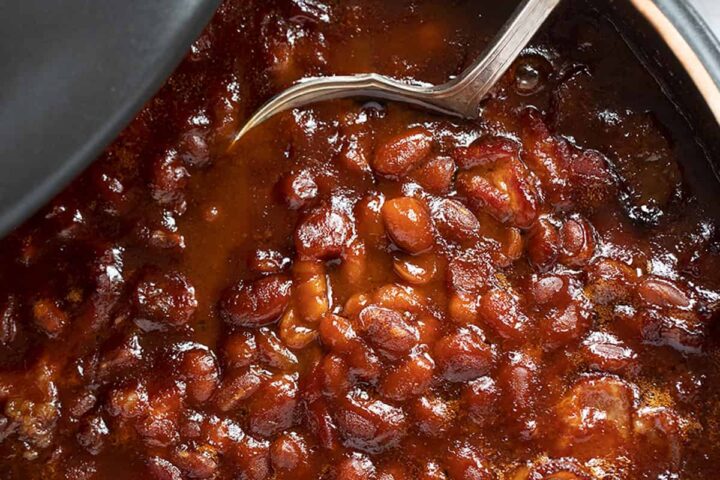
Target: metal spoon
460,96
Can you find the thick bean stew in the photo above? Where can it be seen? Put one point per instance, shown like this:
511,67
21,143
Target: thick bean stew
363,290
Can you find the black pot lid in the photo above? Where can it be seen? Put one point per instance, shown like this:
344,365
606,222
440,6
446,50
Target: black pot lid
73,75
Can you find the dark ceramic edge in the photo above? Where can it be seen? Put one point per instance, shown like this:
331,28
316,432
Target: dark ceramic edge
696,32
33,200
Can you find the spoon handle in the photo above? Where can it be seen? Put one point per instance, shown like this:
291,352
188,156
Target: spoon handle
464,94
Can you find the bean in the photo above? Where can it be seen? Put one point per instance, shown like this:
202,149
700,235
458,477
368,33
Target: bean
289,453
433,416
355,467
662,293
409,379
310,292
388,331
479,400
503,191
464,462
49,318
240,349
257,303
463,355
323,234
485,151
606,353
577,238
370,425
198,463
337,333
543,245
399,154
272,409
267,262
416,270
408,224
500,310
605,400
200,371
455,222
294,333
165,298
298,189
518,380
436,174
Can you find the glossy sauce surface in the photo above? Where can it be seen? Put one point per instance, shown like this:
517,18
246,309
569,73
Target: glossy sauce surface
360,290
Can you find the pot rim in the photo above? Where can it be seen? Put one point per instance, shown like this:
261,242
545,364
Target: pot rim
692,42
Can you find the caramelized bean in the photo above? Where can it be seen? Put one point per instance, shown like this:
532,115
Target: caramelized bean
610,281
370,425
659,432
409,379
336,376
503,191
272,409
662,293
543,245
479,399
237,388
455,222
197,462
434,416
49,318
294,333
594,418
683,331
355,467
337,333
519,383
258,303
485,151
501,311
400,298
166,298
417,270
267,262
240,350
369,219
565,325
289,453
354,266
463,355
273,352
200,372
606,353
436,174
298,189
464,462
354,154
399,154
323,234
408,223
310,291
577,239
388,331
